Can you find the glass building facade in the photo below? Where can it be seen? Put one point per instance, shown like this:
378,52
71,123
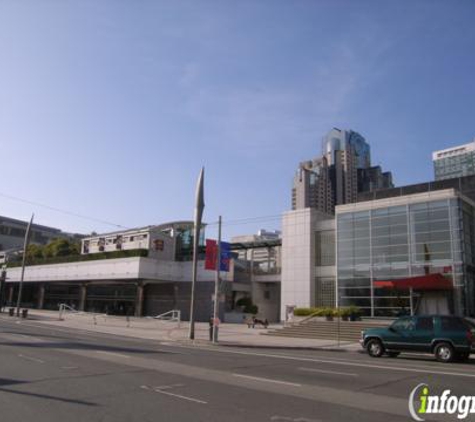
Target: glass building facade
415,238
456,166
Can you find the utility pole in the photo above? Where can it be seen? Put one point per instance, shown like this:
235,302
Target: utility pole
216,284
25,247
3,279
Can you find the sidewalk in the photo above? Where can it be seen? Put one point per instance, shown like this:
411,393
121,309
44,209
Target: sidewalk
231,335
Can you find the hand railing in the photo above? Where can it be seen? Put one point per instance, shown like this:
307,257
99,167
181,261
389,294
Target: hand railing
63,307
173,315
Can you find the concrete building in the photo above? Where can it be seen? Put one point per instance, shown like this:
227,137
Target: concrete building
145,271
258,265
12,233
308,260
312,186
338,175
423,240
453,162
418,237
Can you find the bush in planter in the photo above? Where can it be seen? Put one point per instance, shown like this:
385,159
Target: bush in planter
251,309
305,311
344,313
247,306
354,312
328,313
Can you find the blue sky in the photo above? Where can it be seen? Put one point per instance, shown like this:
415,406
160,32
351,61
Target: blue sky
110,108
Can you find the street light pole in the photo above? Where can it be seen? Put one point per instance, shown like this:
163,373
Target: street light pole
25,247
216,285
199,206
3,280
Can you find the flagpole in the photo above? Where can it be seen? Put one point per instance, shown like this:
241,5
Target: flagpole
25,247
199,206
216,284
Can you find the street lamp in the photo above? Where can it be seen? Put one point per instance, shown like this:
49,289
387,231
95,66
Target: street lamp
25,247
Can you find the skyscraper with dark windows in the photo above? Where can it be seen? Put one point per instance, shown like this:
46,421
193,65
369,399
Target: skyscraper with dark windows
336,177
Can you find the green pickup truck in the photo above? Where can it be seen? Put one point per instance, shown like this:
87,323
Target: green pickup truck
447,337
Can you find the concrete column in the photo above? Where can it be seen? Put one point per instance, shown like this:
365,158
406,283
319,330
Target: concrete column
82,297
10,294
41,296
139,299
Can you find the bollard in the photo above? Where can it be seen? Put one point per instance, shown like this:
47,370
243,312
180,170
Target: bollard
11,311
24,313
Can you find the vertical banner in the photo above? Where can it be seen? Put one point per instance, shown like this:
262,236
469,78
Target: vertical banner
210,257
225,256
212,251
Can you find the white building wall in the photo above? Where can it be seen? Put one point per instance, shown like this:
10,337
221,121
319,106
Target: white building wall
297,258
115,269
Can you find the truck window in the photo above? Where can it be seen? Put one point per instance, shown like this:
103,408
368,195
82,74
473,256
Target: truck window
425,323
452,324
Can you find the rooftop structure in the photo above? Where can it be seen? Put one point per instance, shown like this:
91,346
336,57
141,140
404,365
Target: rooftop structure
453,162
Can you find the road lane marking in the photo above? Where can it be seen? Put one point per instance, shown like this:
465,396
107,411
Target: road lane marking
31,359
267,380
119,355
428,370
179,396
328,372
168,387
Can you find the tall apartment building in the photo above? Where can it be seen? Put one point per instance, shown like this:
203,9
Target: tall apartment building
338,175
453,162
312,186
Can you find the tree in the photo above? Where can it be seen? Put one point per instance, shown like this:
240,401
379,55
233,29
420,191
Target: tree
61,247
34,252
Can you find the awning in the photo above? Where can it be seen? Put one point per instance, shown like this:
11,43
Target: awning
424,282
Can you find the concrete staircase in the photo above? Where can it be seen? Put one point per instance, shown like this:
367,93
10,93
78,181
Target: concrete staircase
317,328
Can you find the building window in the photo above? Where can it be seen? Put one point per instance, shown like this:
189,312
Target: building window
324,248
325,292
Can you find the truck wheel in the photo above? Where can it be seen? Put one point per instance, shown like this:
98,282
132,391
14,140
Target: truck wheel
375,348
444,352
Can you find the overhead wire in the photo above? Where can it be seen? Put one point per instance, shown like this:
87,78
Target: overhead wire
85,217
227,223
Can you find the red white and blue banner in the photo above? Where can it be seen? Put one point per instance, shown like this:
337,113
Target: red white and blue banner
212,252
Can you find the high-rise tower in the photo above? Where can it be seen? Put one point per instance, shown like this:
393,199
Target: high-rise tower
338,175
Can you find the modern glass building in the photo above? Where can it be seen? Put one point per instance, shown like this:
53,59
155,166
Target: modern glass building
453,162
425,236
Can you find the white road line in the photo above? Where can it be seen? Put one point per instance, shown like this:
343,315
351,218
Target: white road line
328,372
179,396
167,387
428,370
120,355
31,359
268,380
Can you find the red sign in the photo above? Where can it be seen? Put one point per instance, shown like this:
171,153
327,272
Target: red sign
211,252
447,269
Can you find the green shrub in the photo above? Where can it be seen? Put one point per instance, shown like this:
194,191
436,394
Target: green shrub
251,309
81,258
305,311
244,301
321,311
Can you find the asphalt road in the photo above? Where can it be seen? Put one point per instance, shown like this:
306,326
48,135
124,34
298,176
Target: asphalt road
49,374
